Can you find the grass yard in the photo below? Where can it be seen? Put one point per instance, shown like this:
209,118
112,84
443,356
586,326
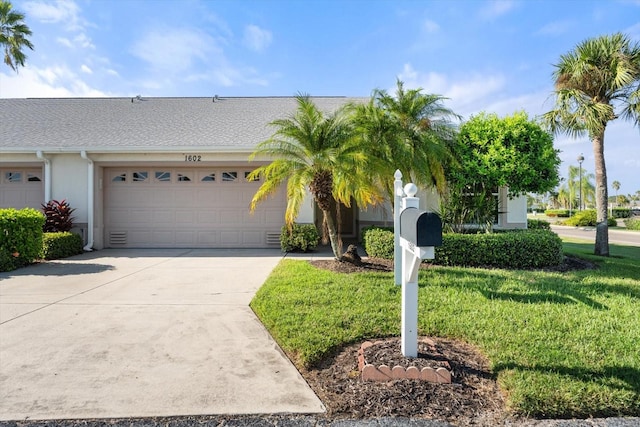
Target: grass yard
560,344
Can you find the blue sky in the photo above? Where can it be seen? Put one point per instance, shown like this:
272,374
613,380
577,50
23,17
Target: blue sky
494,56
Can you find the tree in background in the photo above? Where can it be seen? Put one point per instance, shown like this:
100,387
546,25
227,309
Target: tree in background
319,152
594,79
13,36
616,186
410,131
494,152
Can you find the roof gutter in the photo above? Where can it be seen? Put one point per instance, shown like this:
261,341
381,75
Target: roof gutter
90,196
47,175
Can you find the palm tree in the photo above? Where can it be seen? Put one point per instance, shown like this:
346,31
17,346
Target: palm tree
319,152
13,36
411,131
616,186
591,81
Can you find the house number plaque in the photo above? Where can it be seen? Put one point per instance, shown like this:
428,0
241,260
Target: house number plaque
192,158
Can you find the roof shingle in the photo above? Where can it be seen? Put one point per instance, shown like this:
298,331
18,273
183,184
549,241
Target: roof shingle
128,124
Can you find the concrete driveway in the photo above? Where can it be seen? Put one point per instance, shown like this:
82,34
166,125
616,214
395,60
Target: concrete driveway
134,333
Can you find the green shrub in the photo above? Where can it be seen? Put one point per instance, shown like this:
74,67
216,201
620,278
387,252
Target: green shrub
61,245
538,224
587,218
378,242
20,237
515,249
560,213
632,223
299,237
621,212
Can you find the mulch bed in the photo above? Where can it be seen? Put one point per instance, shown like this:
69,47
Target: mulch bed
473,397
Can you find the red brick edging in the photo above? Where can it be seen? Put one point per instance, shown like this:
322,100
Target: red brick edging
385,373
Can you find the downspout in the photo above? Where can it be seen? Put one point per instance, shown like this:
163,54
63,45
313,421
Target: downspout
89,246
47,176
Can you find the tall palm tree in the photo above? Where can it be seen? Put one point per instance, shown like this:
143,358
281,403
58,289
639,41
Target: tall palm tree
315,151
13,36
616,186
409,131
599,76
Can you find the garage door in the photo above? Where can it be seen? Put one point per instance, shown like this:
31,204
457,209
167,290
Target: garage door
159,207
21,188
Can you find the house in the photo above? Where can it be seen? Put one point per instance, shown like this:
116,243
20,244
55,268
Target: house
159,172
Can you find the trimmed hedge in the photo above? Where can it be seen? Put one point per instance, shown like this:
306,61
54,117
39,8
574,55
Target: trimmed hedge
378,242
588,218
632,223
560,213
538,224
621,212
299,237
61,245
515,249
20,237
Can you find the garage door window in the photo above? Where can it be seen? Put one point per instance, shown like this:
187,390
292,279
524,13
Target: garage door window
32,177
183,177
246,177
229,176
209,178
162,176
140,176
119,178
13,177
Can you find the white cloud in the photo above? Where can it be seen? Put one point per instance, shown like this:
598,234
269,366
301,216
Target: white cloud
496,8
633,31
467,95
60,11
555,28
50,82
173,50
64,42
256,38
86,69
430,26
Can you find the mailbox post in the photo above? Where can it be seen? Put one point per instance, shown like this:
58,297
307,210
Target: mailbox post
419,233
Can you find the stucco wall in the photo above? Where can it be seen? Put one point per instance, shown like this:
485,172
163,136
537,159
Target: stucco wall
69,182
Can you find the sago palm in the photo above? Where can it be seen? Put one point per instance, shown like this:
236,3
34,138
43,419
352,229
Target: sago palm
595,83
311,150
13,36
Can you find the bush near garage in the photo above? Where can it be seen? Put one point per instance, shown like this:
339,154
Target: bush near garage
557,213
538,224
378,241
61,245
513,249
299,237
588,218
632,223
20,237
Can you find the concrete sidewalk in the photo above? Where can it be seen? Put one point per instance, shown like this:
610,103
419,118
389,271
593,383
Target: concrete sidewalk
142,333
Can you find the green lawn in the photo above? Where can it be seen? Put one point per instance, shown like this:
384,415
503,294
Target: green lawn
561,344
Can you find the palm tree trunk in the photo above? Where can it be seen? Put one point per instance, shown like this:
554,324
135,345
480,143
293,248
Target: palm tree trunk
602,197
336,244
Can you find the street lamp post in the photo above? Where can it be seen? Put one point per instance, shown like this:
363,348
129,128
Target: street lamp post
580,160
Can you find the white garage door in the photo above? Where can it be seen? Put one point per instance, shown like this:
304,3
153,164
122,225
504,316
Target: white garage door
21,188
159,207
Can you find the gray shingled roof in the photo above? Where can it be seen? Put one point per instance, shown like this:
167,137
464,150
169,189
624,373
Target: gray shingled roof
149,124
